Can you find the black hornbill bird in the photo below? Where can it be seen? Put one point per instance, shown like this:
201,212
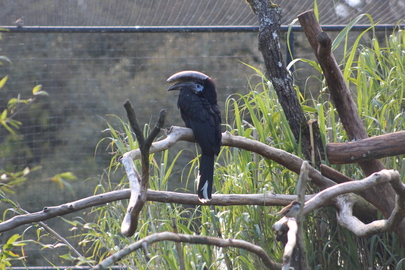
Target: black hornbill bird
199,110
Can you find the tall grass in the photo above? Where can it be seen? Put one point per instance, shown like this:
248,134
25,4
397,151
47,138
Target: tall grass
376,74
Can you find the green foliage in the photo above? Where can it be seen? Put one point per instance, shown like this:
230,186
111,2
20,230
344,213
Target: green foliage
11,179
13,176
6,117
7,253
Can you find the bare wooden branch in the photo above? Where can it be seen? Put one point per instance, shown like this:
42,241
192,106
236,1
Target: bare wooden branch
64,209
133,122
192,239
289,231
331,173
288,260
49,212
347,220
301,188
290,161
138,185
325,196
339,91
130,220
386,145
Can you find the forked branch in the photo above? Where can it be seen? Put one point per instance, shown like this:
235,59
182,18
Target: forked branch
138,185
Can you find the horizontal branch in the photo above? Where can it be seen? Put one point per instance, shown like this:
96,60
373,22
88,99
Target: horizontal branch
192,239
53,211
268,199
288,160
377,147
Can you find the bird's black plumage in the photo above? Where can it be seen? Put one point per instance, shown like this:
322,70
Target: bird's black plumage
199,110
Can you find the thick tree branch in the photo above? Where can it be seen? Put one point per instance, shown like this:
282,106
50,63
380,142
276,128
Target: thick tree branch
290,161
268,199
345,203
339,91
331,173
386,145
192,239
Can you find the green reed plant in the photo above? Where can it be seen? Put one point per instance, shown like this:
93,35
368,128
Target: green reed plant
374,70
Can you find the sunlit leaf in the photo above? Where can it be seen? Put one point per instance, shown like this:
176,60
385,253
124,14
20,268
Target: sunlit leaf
36,91
3,115
26,171
12,239
316,10
41,93
68,175
3,81
68,257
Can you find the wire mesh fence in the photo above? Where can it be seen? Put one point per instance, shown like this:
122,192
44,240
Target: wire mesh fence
89,74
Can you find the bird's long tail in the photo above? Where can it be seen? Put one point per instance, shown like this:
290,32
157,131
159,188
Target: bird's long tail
206,177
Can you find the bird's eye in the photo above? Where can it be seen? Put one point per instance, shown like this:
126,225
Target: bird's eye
199,87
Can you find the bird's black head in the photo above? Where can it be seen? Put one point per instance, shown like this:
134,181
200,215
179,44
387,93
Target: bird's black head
198,82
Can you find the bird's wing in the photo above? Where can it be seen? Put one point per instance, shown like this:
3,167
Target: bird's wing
204,119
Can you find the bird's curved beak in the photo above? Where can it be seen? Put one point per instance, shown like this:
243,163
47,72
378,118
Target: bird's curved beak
180,85
173,87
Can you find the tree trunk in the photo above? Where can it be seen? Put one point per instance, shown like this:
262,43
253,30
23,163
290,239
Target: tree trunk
269,45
